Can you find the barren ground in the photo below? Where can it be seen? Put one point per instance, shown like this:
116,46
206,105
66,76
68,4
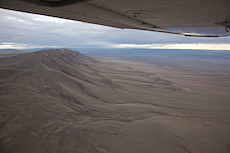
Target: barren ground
60,101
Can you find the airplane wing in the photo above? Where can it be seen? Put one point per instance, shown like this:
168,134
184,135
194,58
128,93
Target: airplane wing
203,18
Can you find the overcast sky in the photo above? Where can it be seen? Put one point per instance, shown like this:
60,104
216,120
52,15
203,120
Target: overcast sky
22,31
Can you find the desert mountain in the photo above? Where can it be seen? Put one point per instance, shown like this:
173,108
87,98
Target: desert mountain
60,101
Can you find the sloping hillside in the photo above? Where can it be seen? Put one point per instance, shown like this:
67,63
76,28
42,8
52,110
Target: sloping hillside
60,101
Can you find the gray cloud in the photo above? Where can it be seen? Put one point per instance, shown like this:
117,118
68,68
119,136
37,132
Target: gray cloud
36,30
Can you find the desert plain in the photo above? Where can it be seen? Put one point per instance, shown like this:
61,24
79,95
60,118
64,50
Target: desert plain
61,101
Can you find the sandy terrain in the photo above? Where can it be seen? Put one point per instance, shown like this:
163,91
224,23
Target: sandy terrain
60,101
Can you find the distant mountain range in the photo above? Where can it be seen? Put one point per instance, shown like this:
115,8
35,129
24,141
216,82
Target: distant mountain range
124,53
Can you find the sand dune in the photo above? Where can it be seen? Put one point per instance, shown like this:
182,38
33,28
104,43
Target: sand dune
60,101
